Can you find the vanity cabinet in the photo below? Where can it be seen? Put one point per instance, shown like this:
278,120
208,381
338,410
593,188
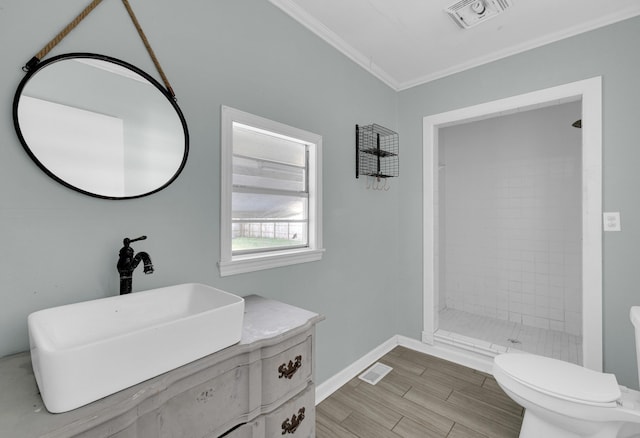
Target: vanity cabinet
261,387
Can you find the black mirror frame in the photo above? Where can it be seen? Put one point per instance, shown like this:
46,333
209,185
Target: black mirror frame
121,63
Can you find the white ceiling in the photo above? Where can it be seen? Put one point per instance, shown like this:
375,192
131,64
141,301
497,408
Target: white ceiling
409,42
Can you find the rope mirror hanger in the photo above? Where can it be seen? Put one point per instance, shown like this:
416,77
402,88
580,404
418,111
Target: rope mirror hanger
33,62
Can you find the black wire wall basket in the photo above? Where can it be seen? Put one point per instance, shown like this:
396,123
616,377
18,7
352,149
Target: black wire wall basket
377,150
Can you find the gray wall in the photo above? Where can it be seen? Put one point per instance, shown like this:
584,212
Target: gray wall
61,247
609,52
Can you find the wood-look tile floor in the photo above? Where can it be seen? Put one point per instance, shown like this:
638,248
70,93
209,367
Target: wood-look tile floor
422,397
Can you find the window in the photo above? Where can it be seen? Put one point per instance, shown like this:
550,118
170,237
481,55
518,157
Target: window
271,200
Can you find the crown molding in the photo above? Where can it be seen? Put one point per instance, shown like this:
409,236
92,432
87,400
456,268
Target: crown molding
315,26
606,20
291,8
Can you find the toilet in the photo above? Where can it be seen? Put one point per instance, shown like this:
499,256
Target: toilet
564,400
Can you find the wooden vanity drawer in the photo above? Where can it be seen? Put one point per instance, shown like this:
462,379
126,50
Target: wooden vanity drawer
207,409
294,419
286,373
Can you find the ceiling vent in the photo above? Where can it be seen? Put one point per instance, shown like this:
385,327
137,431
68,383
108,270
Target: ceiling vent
468,13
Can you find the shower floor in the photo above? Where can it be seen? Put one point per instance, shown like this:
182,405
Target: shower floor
501,336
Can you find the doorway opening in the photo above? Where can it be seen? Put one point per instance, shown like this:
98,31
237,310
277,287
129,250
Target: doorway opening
515,274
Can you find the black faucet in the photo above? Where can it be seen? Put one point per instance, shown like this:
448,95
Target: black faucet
127,263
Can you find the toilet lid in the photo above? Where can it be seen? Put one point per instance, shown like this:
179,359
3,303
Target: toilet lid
560,379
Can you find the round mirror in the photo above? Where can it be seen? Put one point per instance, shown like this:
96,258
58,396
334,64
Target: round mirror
100,126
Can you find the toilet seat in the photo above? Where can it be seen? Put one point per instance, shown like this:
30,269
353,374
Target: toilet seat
561,379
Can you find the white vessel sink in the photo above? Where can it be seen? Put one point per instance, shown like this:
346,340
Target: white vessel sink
85,351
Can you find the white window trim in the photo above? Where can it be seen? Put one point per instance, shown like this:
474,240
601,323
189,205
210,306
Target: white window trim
230,264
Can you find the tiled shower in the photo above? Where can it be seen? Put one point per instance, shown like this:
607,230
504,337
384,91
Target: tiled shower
509,231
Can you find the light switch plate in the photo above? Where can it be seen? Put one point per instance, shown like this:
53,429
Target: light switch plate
611,221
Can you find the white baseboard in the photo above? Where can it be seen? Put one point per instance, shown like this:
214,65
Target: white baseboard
332,384
451,353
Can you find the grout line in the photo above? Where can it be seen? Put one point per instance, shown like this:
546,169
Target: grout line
459,326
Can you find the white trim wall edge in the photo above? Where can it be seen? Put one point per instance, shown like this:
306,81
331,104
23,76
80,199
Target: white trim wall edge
590,91
466,358
230,265
275,260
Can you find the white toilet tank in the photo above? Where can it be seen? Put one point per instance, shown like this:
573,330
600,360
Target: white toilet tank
635,320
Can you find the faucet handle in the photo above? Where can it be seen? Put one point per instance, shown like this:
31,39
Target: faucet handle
126,241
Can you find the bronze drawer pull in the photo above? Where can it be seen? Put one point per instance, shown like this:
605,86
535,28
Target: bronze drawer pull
287,371
290,426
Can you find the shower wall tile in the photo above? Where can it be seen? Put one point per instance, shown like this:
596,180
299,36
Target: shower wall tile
510,223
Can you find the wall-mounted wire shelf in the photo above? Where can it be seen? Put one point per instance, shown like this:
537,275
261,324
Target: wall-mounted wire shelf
377,151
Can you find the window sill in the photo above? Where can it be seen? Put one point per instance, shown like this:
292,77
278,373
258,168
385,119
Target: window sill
253,262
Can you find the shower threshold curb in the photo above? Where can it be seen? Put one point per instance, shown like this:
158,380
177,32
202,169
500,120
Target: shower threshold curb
468,343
